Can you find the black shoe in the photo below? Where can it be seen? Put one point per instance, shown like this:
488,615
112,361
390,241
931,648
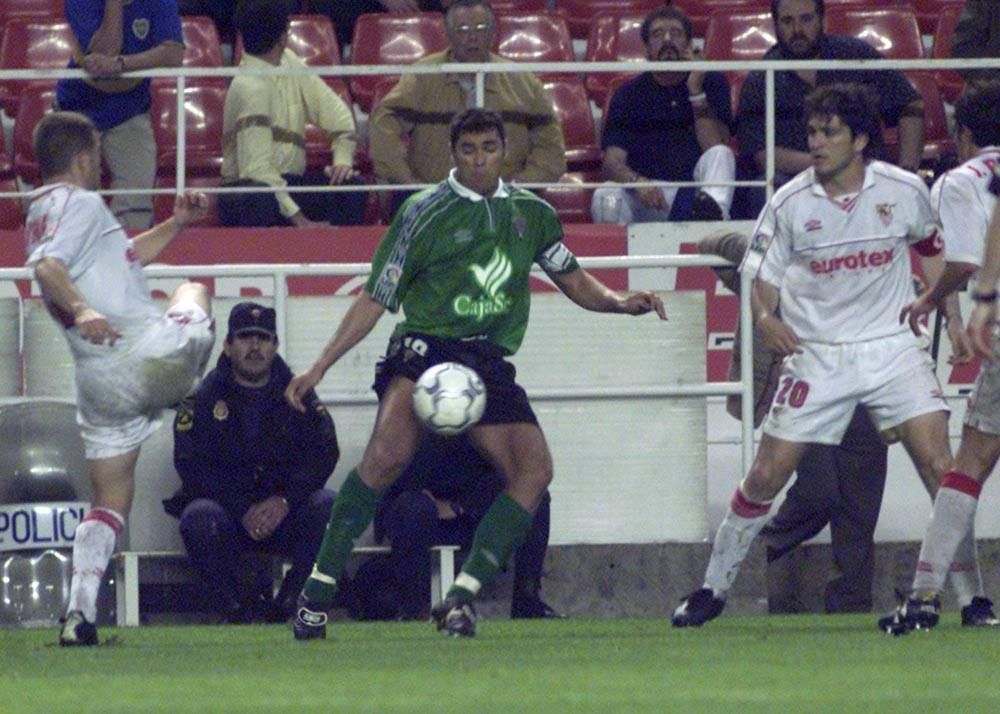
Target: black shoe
532,608
456,617
979,613
705,208
310,620
697,608
914,613
76,631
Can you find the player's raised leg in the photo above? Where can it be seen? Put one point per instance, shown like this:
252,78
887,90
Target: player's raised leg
747,514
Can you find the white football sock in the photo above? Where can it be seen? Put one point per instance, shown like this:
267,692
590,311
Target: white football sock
739,528
93,545
952,524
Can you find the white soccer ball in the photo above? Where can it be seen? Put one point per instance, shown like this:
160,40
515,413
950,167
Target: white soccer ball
449,398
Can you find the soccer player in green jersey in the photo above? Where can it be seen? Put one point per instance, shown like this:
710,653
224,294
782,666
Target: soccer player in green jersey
457,259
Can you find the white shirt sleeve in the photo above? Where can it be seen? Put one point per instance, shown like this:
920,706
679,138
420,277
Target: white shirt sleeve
767,256
963,218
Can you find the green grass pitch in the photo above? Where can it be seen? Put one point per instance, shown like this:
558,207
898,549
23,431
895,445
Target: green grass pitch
791,664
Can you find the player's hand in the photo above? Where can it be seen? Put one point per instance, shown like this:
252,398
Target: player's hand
778,337
340,173
652,197
94,327
263,518
100,65
696,80
639,303
189,207
916,310
961,343
982,325
301,384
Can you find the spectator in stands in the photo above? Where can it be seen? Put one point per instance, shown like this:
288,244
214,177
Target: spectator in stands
264,134
667,126
115,37
838,485
977,35
799,28
440,499
345,14
252,470
409,131
131,359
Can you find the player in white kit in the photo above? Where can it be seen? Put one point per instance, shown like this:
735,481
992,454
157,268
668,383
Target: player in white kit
832,246
131,358
964,199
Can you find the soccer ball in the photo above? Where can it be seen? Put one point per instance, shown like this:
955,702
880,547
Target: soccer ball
449,398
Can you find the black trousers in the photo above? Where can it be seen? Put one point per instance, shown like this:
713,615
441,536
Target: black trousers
260,210
840,485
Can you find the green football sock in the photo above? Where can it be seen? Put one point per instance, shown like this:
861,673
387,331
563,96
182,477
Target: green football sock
502,529
352,511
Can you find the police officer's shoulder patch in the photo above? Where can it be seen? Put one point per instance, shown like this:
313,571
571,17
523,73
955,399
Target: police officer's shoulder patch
221,410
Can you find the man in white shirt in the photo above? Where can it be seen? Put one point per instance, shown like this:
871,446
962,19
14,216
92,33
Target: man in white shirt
832,246
132,359
263,141
964,199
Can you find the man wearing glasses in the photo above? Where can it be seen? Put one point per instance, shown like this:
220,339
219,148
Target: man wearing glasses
409,128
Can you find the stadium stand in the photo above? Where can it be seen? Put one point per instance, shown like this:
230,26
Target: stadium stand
700,11
580,14
572,202
392,39
163,203
938,141
949,81
35,102
201,42
203,105
929,11
892,31
739,36
535,37
32,44
11,216
572,106
613,38
30,9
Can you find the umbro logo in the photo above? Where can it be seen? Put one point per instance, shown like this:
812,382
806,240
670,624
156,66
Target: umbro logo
813,224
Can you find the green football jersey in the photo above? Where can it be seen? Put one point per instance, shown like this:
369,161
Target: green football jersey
458,263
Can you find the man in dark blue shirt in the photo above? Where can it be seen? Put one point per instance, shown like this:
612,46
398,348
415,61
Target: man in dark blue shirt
667,126
799,28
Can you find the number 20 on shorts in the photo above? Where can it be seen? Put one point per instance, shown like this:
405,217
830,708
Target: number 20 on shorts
792,391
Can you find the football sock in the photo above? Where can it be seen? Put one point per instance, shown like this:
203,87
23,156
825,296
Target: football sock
501,530
965,576
742,523
952,519
352,511
93,545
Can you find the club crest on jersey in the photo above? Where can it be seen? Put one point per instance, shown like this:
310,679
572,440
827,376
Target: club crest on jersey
520,225
884,211
185,419
220,411
140,27
491,278
759,243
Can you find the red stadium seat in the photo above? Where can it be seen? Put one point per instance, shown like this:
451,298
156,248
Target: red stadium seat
163,204
513,7
32,44
11,214
538,37
613,38
699,11
30,9
949,81
36,101
203,105
743,36
572,106
313,40
201,42
580,14
937,136
572,202
892,31
381,38
930,11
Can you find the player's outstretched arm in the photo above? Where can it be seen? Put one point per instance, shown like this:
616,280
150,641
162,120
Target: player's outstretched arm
982,321
361,317
60,290
591,294
188,208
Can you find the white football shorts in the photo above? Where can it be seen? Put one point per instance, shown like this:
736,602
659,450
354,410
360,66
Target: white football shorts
983,410
120,398
893,377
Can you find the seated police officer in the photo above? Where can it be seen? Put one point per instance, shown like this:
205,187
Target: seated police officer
252,472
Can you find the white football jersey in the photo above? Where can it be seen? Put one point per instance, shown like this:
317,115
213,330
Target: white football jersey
963,204
75,226
842,265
